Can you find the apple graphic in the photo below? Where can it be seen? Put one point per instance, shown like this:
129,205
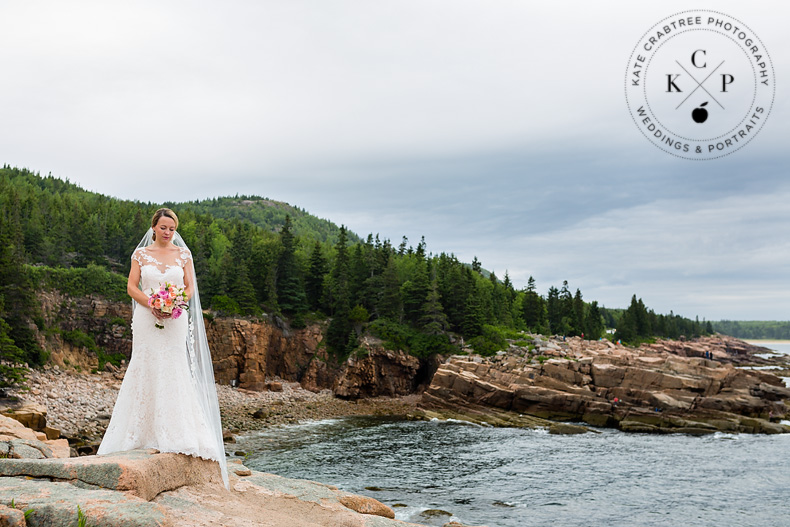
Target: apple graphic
700,115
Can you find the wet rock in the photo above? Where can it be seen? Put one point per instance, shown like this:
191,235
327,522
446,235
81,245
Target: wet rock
566,429
434,513
366,505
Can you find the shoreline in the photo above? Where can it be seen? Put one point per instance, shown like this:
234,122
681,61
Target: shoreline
244,411
80,404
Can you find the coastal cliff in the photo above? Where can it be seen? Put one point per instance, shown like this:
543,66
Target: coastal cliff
669,386
245,352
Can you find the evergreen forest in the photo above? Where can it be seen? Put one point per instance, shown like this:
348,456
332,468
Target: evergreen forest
754,329
255,256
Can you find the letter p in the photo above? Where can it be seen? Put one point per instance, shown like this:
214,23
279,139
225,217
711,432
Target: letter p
726,79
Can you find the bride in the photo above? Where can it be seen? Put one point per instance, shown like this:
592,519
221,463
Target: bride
168,399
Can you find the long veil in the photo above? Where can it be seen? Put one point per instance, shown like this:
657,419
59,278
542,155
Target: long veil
200,364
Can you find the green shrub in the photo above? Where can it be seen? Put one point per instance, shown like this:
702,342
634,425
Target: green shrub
225,305
79,338
297,321
399,336
80,281
113,358
493,339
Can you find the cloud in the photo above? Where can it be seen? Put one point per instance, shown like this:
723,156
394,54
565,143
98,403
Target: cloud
498,131
722,258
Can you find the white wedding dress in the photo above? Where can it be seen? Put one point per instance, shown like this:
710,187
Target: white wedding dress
157,405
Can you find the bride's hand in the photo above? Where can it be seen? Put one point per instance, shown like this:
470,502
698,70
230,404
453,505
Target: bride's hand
159,314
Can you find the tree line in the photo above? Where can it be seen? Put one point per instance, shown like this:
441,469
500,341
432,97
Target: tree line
253,255
754,329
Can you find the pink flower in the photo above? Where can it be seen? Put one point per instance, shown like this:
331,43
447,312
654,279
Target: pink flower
177,312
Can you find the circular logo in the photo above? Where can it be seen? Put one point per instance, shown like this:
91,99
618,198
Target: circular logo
700,84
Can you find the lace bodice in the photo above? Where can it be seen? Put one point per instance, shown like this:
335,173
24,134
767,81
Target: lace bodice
154,272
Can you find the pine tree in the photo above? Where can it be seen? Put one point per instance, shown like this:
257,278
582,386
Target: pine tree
402,247
414,293
12,373
240,288
593,322
554,310
420,252
389,297
476,265
290,293
578,313
339,330
433,321
314,280
474,315
16,287
532,306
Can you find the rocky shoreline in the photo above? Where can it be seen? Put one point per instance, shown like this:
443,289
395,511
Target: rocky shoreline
79,405
693,387
665,387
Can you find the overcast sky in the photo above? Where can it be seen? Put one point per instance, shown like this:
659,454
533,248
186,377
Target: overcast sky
496,129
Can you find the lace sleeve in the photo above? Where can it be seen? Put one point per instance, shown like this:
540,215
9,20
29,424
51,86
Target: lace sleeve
184,257
137,256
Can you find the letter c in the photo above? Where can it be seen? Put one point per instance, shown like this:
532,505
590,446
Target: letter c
694,58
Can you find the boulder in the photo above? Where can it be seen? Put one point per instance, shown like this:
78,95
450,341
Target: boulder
18,441
141,473
366,505
31,415
11,517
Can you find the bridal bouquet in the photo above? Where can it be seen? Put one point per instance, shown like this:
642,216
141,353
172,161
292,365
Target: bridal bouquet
168,298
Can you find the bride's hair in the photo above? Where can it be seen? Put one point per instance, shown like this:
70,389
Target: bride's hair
163,212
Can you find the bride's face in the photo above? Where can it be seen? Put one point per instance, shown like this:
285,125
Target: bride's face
165,229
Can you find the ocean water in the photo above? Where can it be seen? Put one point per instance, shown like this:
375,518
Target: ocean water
779,346
504,477
513,478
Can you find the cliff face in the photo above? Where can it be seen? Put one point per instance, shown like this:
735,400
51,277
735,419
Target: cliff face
249,351
655,388
245,351
371,372
107,322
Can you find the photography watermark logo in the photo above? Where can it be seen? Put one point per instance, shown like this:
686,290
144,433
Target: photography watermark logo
700,84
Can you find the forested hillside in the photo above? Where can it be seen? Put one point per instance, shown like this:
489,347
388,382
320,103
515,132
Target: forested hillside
754,329
254,256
